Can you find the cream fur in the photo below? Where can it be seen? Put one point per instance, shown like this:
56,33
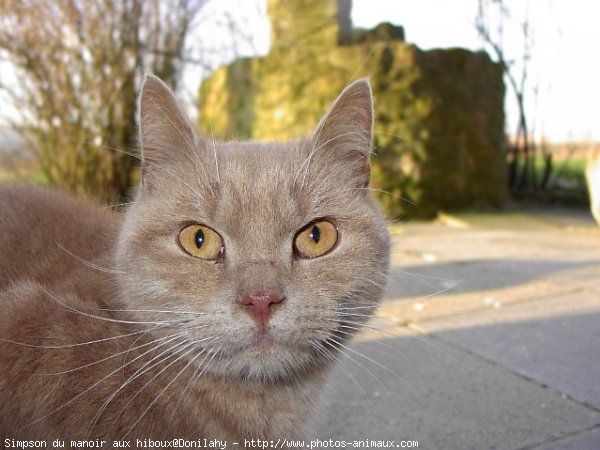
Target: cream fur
592,174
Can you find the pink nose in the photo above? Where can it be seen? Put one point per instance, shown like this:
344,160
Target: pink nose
261,303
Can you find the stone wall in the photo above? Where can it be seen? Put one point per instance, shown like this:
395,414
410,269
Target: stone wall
439,133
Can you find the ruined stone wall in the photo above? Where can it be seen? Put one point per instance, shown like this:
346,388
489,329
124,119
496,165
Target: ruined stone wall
439,131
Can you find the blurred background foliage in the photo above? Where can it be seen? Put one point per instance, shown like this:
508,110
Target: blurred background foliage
440,140
77,67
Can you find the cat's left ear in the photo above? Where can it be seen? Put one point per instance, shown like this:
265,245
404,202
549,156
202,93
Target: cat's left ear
164,128
345,132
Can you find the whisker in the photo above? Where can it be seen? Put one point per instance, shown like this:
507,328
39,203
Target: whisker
139,322
89,263
429,277
154,165
358,363
78,344
175,378
174,336
349,375
190,144
138,373
323,351
371,307
359,326
156,360
381,191
119,205
441,291
214,147
307,162
146,367
193,379
367,344
365,60
81,394
159,311
179,180
111,148
177,128
353,314
383,366
107,319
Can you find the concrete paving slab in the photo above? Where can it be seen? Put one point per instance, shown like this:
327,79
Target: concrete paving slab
405,311
423,292
587,441
443,397
555,341
584,277
475,269
457,277
513,359
437,244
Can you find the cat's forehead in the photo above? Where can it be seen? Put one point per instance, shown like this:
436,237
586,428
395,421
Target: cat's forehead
257,179
258,164
246,187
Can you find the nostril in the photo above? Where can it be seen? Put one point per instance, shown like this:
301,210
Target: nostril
261,303
263,297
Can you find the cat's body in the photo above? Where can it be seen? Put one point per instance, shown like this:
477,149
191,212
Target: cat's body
111,327
592,176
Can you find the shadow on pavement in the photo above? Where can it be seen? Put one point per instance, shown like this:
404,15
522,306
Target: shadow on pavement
519,384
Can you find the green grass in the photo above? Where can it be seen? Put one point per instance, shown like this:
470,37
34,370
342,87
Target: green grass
35,177
569,172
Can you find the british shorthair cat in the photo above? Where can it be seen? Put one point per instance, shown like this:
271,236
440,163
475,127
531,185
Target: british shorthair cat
213,307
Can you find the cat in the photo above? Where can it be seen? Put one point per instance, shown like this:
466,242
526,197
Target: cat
213,307
592,177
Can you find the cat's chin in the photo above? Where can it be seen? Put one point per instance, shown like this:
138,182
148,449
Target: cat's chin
265,359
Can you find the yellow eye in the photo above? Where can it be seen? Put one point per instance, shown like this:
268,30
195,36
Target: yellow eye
201,242
316,239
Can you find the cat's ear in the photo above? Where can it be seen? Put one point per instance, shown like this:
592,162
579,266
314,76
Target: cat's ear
164,128
345,132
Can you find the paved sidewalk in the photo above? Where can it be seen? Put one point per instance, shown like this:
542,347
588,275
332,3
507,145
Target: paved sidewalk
489,338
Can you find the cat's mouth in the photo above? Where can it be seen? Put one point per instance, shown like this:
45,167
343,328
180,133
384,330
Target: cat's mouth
262,354
263,339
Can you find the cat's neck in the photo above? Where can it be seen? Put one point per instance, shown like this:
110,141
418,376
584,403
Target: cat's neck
255,409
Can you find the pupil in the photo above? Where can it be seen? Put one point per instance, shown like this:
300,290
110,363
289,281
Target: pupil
315,234
199,238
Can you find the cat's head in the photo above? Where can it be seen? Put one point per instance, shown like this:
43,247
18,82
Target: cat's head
258,259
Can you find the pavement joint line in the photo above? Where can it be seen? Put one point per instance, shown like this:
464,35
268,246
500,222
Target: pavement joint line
416,327
565,396
581,288
569,437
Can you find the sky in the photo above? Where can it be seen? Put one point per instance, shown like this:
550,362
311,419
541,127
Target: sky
564,68
562,98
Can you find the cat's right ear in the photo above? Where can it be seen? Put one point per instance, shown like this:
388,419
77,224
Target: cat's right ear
164,129
343,137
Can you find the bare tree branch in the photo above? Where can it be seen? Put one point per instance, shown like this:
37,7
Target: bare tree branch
521,165
79,66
